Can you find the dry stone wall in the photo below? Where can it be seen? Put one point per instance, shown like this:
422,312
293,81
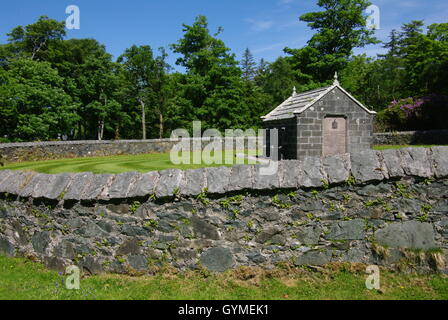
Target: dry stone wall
33,151
375,207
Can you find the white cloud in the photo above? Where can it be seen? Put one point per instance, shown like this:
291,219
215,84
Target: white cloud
260,25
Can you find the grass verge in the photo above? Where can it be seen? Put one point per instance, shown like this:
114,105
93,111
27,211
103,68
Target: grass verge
23,279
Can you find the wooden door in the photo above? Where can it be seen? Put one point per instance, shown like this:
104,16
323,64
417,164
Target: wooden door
335,136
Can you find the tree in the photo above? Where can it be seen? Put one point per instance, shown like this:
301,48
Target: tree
426,57
248,66
138,63
91,78
33,104
215,84
147,76
34,39
340,28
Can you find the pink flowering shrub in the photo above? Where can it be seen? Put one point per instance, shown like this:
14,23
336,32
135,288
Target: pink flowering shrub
426,113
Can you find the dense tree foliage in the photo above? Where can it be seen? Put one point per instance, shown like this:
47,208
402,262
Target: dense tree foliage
53,88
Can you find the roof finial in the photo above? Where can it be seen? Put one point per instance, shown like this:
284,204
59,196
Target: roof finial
294,92
336,81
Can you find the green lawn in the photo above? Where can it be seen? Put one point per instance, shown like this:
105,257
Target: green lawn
385,147
119,164
23,279
113,164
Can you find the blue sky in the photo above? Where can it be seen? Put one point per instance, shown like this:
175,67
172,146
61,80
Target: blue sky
265,26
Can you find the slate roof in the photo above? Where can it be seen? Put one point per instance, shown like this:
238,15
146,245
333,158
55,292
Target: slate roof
298,103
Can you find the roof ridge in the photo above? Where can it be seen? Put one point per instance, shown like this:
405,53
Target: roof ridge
300,102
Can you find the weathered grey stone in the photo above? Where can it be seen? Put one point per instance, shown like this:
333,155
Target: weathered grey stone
138,262
347,230
57,186
440,207
356,255
6,247
309,235
55,263
314,258
133,231
269,214
14,183
166,238
4,174
145,185
256,257
49,186
440,161
165,226
204,229
40,241
312,205
289,173
366,166
442,226
217,259
404,205
193,182
312,173
20,236
91,265
33,187
122,184
241,177
74,223
65,250
98,187
266,235
183,253
392,162
337,168
409,234
416,162
263,181
92,230
168,183
218,179
78,186
106,226
278,239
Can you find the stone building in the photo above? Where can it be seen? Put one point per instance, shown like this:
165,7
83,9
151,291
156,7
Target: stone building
320,122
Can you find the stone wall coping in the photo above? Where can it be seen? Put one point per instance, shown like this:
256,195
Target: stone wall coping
361,168
95,142
99,142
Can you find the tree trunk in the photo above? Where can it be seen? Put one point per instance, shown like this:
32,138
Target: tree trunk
143,119
100,129
161,126
117,133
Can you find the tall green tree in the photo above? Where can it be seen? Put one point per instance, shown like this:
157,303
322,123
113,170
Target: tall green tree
248,66
35,39
147,78
215,84
33,103
340,28
90,77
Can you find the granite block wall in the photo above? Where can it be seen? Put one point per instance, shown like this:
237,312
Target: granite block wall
336,103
